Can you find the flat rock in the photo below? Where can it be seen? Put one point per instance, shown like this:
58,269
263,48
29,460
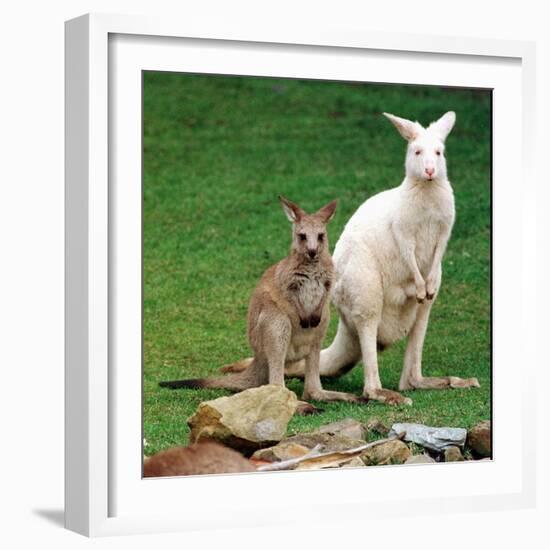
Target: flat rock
420,459
247,421
325,441
437,439
453,454
283,451
354,462
301,444
479,439
391,452
347,427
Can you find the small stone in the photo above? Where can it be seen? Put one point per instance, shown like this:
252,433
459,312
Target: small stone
347,427
453,454
376,426
390,452
434,438
420,459
282,451
247,421
479,439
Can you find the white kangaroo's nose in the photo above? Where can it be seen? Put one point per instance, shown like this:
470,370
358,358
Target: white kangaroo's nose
429,171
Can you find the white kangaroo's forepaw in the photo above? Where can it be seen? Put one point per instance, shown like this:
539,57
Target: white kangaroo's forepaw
421,293
430,289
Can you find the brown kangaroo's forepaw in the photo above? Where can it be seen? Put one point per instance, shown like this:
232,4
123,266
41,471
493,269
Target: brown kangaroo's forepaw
310,322
314,321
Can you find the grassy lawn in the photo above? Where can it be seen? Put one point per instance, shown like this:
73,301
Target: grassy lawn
217,152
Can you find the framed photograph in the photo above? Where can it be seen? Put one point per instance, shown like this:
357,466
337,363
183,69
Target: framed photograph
291,258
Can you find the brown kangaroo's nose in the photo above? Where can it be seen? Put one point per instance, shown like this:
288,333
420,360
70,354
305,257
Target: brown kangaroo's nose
312,253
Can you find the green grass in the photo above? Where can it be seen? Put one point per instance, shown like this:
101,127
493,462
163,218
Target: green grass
217,152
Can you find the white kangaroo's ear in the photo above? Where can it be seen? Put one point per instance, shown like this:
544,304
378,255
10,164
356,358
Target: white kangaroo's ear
327,212
293,212
444,125
408,129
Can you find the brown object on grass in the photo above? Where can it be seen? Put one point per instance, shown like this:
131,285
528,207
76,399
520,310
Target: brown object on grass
197,459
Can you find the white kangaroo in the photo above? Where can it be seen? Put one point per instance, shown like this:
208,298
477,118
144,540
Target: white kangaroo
388,269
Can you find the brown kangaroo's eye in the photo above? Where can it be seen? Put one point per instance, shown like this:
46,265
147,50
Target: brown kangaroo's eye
302,236
321,236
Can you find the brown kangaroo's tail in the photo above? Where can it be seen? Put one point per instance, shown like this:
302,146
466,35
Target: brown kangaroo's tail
249,378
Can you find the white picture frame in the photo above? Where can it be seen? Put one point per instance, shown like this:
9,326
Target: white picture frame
105,494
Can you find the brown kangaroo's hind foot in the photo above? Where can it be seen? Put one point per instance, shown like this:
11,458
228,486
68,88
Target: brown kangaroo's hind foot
388,397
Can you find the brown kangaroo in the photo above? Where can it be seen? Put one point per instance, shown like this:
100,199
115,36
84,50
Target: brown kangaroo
288,314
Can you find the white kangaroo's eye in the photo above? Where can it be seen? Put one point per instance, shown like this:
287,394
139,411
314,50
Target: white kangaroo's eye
417,152
438,153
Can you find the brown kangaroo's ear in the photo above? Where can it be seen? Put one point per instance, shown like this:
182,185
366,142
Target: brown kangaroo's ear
327,212
293,212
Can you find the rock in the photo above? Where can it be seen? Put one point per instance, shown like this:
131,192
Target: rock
300,444
348,427
391,452
283,451
325,441
376,426
453,454
479,439
420,459
354,462
248,420
200,458
437,439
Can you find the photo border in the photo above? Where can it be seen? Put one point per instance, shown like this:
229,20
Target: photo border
88,245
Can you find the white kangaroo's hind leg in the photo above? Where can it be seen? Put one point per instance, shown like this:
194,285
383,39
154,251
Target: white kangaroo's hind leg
411,376
342,355
373,387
